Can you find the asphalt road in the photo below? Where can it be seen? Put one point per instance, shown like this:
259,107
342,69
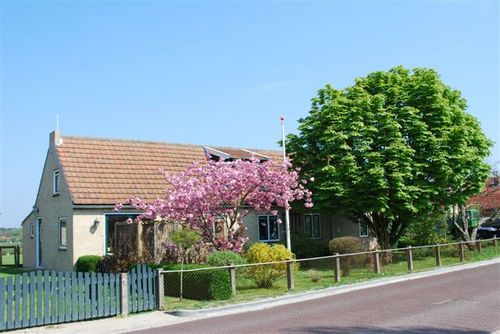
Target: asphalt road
466,301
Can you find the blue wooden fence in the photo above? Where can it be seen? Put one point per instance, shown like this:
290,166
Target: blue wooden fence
43,297
142,289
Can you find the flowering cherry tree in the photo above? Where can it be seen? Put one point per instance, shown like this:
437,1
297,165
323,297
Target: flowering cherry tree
219,193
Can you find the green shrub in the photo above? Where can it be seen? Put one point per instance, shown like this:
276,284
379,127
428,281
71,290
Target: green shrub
304,247
210,284
224,258
314,276
88,263
265,275
346,245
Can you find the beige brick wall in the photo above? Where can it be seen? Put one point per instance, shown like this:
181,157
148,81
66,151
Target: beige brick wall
50,209
89,237
28,242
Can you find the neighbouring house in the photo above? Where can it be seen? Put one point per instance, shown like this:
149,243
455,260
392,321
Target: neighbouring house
488,201
83,179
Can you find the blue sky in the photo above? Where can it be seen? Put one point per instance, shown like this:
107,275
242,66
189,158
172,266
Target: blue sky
219,72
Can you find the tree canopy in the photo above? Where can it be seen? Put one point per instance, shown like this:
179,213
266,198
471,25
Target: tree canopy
390,147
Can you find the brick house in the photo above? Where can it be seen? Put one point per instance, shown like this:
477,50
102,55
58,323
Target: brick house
488,201
83,179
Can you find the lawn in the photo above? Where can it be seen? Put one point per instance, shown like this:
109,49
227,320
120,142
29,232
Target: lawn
423,259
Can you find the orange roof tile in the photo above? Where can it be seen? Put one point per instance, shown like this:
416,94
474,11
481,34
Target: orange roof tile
108,171
489,198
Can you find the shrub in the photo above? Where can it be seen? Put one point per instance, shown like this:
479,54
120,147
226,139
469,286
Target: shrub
224,258
314,276
265,275
88,263
305,247
346,245
210,284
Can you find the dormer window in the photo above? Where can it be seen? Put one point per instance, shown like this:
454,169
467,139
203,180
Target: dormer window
56,182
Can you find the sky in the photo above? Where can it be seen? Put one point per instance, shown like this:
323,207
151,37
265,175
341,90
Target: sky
215,72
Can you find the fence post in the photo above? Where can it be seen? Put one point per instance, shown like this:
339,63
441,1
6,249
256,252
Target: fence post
495,241
438,255
409,258
479,246
124,294
336,267
462,252
1,255
377,262
289,274
160,289
232,273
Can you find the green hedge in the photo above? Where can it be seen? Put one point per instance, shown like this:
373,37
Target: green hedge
88,263
212,284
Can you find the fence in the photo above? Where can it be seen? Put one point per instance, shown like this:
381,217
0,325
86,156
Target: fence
258,280
42,298
15,253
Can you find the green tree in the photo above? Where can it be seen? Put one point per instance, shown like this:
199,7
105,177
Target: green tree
184,238
394,145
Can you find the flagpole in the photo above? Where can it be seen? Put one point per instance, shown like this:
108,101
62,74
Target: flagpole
287,211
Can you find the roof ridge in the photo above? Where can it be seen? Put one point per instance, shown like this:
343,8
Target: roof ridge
139,141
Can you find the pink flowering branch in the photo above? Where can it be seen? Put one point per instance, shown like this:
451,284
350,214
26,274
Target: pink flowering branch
222,192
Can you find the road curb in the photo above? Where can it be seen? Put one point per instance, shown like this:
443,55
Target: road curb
308,295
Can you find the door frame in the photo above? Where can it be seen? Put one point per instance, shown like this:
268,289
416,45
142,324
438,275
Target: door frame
38,242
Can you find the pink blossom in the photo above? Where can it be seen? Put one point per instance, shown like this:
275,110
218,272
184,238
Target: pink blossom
222,192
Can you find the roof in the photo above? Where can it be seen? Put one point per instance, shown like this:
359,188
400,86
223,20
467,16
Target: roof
490,197
108,171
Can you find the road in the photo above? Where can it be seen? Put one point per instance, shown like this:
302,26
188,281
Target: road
466,301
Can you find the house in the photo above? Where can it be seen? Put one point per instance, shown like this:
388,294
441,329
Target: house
488,201
83,179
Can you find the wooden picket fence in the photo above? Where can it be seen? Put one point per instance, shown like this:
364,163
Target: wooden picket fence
142,288
43,297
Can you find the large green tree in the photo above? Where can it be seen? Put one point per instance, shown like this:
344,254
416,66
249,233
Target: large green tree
391,147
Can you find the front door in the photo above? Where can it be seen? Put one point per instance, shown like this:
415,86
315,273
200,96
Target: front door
38,242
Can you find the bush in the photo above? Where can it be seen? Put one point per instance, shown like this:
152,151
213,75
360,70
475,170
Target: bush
314,276
88,263
210,284
265,275
224,258
346,245
305,247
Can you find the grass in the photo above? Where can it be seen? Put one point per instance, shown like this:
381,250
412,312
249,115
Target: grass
423,259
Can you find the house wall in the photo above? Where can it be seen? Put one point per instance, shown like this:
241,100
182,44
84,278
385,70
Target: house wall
90,236
28,242
50,208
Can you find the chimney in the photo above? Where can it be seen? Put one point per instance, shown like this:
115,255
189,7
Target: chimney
55,139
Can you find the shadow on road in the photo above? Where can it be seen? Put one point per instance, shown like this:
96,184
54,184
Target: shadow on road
379,330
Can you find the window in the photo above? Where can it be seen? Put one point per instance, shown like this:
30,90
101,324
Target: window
32,230
363,230
62,233
268,228
55,182
312,226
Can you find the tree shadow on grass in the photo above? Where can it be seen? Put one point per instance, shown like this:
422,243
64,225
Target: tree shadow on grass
380,330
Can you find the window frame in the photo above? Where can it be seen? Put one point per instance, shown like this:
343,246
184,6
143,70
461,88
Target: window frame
56,182
312,215
59,234
268,226
361,235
